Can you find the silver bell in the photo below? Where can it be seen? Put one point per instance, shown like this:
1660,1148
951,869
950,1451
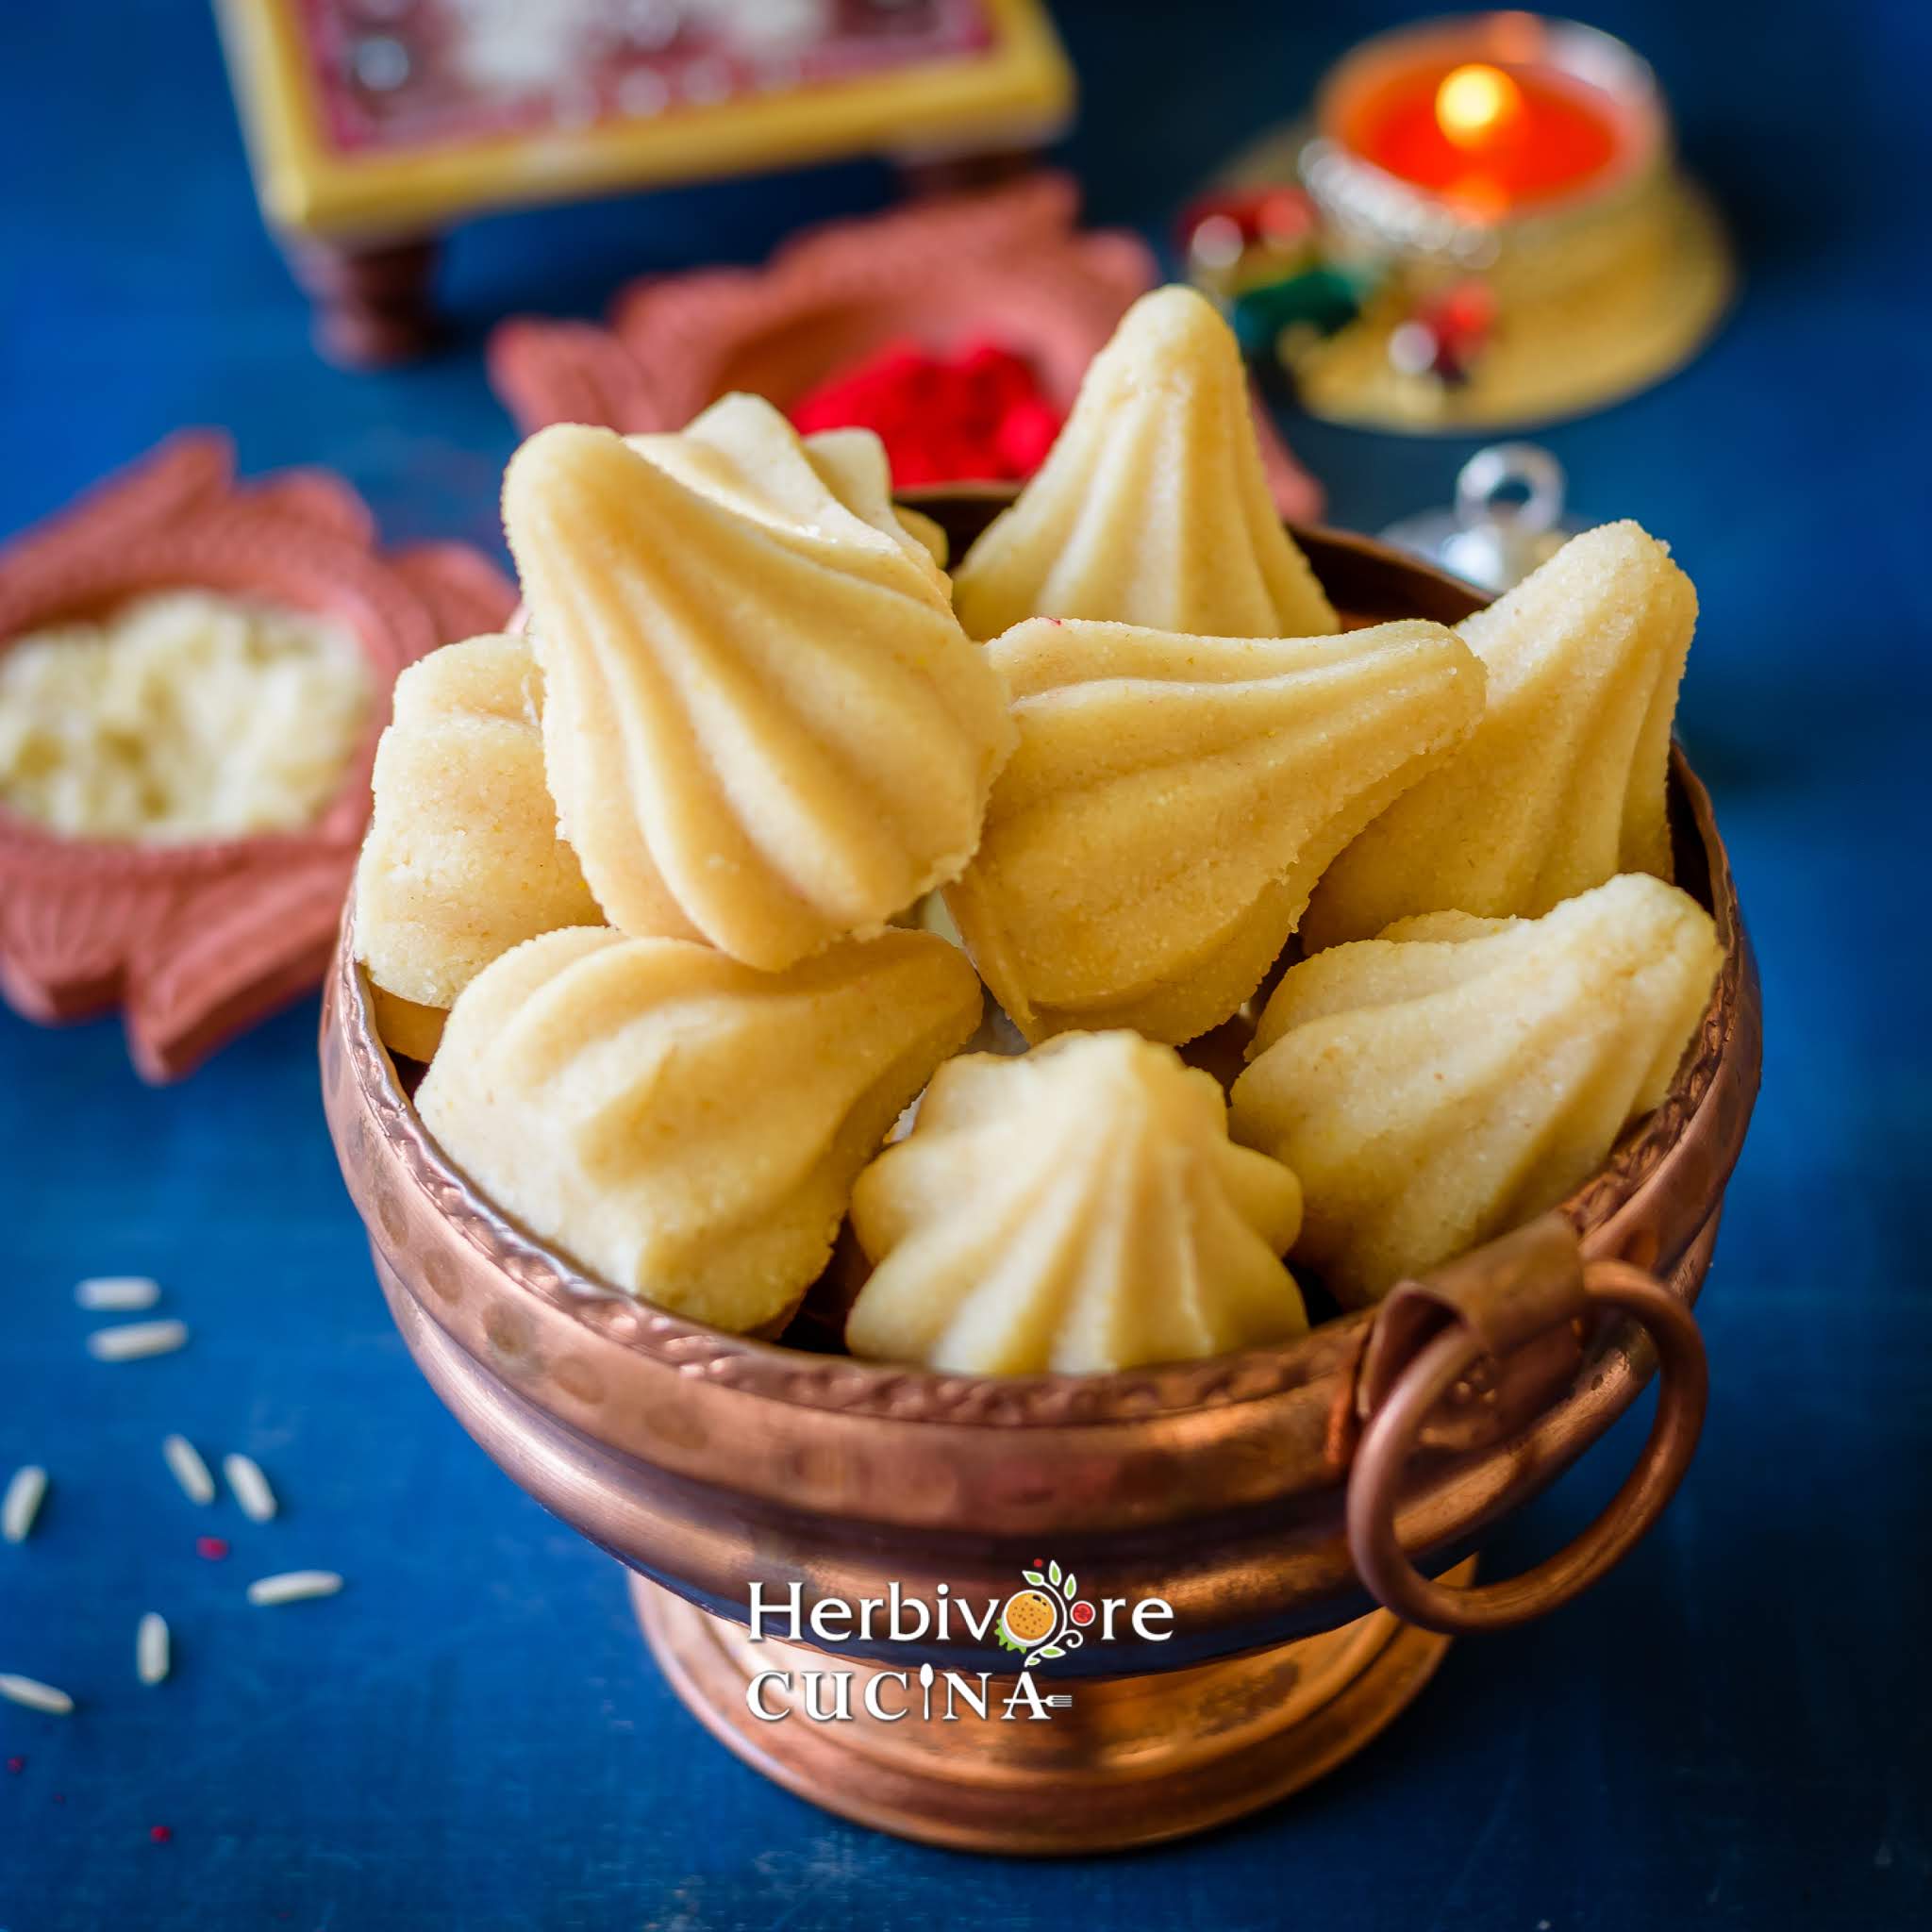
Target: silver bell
1507,517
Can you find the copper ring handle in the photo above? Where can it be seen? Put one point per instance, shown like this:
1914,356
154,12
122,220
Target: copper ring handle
1375,1482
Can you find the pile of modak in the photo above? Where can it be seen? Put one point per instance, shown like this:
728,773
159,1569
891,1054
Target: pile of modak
649,888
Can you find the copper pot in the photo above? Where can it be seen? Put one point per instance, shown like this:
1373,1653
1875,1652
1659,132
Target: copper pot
1271,1497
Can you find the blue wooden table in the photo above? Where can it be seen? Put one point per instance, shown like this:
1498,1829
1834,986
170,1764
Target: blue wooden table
1732,1730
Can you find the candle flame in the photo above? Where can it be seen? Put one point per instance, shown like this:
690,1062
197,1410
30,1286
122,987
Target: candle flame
1474,102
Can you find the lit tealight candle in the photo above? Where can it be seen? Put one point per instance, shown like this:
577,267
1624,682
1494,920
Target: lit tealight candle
1497,190
1482,117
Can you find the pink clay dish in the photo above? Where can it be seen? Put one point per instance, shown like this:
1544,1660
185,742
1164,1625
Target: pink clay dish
197,941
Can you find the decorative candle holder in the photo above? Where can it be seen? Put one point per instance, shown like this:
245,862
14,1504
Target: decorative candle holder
1482,227
196,941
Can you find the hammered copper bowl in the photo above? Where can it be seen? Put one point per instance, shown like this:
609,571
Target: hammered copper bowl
1256,1493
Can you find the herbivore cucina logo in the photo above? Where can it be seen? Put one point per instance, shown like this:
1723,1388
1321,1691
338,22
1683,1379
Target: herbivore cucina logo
1044,1621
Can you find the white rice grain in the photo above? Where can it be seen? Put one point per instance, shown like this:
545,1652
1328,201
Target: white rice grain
294,1587
152,1650
186,1466
120,1294
250,1488
35,1695
21,1503
133,1340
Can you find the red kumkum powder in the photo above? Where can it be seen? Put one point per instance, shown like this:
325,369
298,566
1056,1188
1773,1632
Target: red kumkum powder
979,415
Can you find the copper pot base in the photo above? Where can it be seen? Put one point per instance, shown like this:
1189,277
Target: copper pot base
1133,1761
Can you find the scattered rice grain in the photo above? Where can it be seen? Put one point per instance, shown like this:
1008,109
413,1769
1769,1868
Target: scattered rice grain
187,1469
294,1587
250,1488
35,1695
120,1294
152,1650
21,1503
134,1339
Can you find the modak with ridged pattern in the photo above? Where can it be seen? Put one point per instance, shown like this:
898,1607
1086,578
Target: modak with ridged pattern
462,859
742,452
1561,785
1077,1211
1173,800
764,727
684,1126
1152,507
1454,1078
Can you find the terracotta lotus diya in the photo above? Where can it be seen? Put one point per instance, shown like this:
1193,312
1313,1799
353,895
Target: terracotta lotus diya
1308,1510
196,941
1007,265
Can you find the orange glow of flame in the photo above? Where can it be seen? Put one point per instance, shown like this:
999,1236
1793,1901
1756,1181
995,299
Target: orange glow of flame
1475,103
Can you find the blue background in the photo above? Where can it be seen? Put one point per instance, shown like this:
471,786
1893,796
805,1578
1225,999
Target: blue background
1732,1730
